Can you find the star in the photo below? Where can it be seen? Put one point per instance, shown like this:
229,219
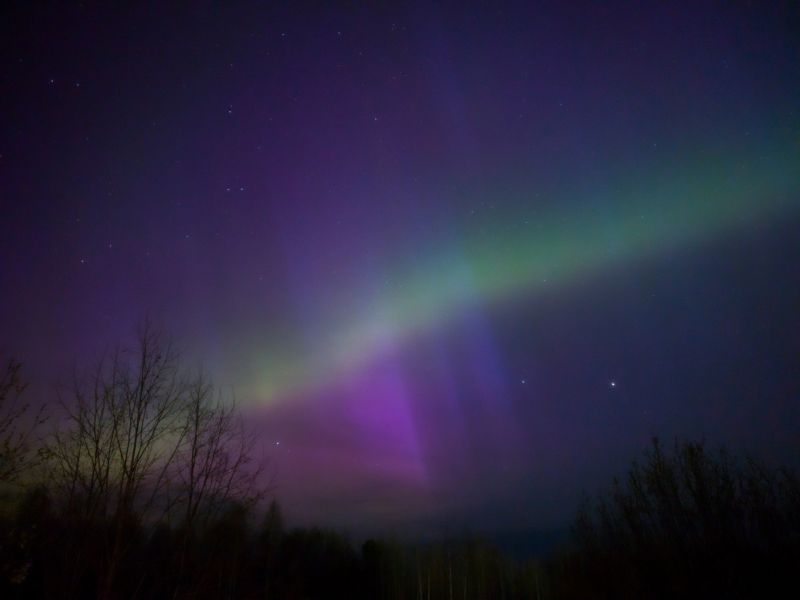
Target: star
613,384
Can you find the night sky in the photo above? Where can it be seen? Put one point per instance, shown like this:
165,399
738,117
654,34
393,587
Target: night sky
457,265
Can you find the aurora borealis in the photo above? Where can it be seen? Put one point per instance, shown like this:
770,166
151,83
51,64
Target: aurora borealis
553,252
456,265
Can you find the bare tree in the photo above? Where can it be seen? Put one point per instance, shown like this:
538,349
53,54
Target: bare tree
122,429
17,425
213,472
214,466
140,441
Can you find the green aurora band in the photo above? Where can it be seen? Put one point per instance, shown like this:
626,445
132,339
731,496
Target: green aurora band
699,200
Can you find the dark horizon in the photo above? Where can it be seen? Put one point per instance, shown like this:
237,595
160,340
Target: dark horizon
458,266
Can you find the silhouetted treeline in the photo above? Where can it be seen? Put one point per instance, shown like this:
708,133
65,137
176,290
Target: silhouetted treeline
50,555
146,487
688,523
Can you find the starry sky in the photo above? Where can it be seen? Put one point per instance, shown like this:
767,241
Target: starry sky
458,264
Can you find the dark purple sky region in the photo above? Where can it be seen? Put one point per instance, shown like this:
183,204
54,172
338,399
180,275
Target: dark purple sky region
457,263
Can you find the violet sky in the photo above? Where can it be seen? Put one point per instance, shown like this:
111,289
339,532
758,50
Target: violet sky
458,263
